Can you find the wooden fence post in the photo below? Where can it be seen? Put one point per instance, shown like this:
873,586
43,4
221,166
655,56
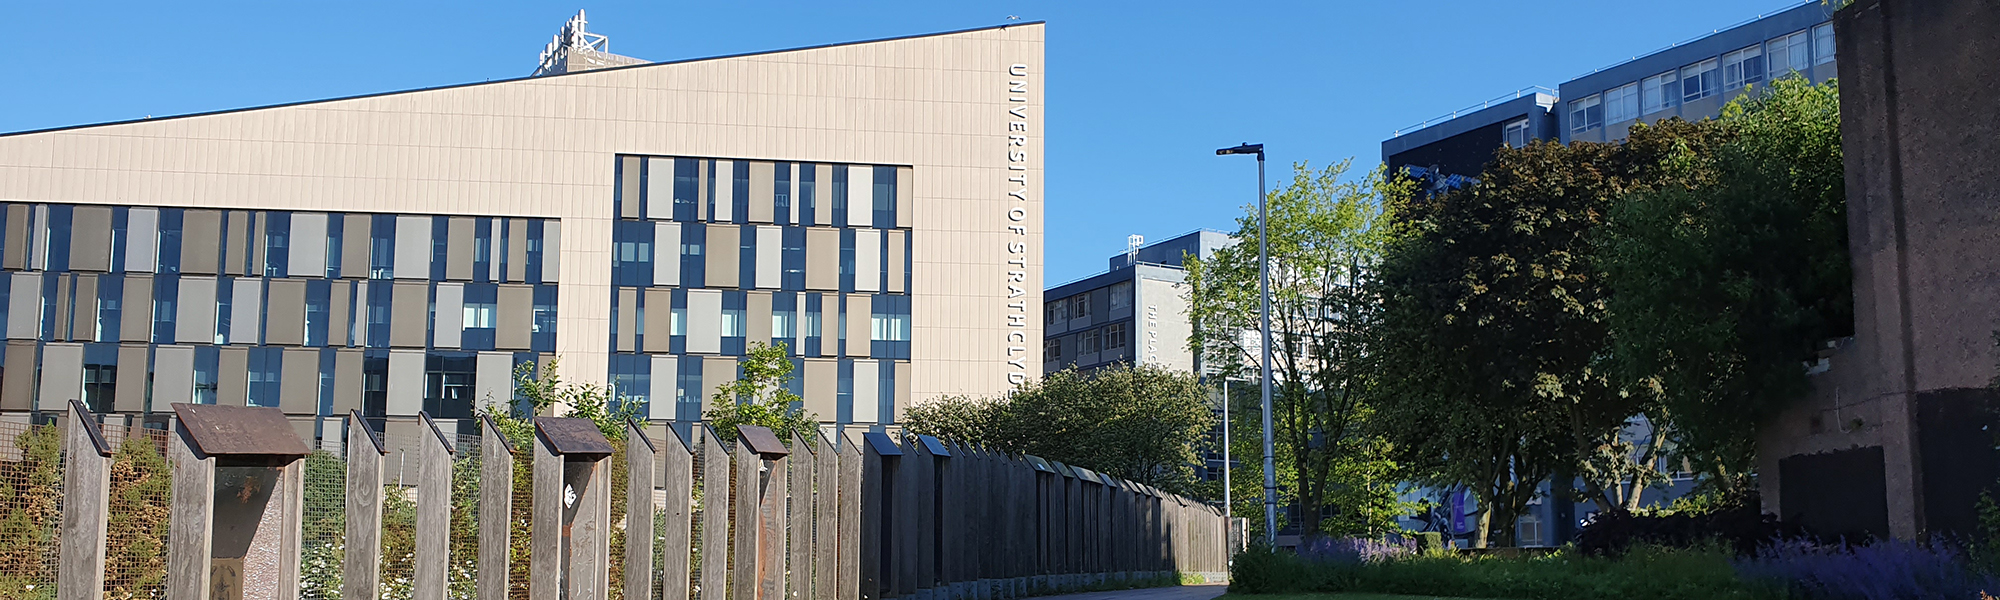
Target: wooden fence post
570,465
878,492
849,489
799,522
361,568
433,513
496,508
86,491
638,500
760,507
826,521
264,516
678,486
715,510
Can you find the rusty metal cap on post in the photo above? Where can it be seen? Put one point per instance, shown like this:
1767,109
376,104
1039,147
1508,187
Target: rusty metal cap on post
573,437
240,430
761,441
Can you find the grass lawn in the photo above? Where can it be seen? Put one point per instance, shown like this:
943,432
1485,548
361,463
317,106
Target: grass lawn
1345,596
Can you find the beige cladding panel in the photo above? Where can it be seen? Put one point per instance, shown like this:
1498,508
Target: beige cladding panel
232,376
459,248
822,259
90,239
763,200
822,386
131,391
937,104
17,386
715,371
299,381
758,318
659,319
237,242
346,381
17,237
724,250
354,246
859,313
201,241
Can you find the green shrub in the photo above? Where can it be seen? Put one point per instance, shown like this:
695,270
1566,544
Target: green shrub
1643,574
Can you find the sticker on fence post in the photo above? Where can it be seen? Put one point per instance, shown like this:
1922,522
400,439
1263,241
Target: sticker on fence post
237,504
571,548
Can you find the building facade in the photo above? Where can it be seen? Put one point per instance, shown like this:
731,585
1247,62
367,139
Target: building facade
876,207
1136,312
1690,80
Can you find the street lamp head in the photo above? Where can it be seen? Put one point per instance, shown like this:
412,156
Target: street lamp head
1246,148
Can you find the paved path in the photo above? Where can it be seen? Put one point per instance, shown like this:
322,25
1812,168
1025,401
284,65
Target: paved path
1185,592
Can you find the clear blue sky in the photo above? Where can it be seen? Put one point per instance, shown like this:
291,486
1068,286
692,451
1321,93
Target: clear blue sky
1139,94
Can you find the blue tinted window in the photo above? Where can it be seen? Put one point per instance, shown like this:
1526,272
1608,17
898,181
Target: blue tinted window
481,312
733,325
448,384
792,259
886,390
52,289
694,266
840,192
206,373
380,294
336,228
739,197
440,246
326,372
170,242
811,323
631,382
885,197
846,260
843,398
688,402
482,249
225,303
277,244
166,288
544,337
533,270
632,254
319,311
58,236
687,189
746,258
110,307
382,247
264,386
100,376
781,186
120,224
375,382
805,199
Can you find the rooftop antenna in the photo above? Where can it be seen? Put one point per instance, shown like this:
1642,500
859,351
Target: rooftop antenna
1132,244
574,38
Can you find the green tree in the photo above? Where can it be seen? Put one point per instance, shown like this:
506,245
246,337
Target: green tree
1143,423
760,398
1494,350
1733,275
1326,237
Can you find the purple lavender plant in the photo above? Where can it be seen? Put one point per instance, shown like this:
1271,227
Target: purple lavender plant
1350,551
1885,570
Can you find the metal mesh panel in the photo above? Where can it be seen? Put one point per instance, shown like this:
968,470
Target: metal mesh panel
135,563
464,571
620,480
521,530
323,544
30,508
399,514
697,514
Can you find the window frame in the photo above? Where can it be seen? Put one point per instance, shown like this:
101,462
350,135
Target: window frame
1627,94
1663,86
1580,113
1823,49
1707,79
1737,66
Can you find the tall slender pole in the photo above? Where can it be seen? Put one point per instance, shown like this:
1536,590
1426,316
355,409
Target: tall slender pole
1228,508
1264,348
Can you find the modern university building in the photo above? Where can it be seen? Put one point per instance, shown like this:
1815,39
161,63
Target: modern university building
874,206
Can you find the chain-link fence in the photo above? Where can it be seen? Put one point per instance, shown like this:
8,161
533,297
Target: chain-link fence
520,526
135,562
463,571
323,544
30,509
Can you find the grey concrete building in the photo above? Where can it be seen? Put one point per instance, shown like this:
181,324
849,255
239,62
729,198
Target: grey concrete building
870,205
1133,313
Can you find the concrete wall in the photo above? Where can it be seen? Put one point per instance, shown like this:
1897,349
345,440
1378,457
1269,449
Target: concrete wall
1922,142
545,147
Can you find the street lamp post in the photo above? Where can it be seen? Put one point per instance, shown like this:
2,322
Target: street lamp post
1264,343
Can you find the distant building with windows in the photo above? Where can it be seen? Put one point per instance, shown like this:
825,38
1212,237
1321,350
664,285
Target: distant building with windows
1691,80
1133,313
645,223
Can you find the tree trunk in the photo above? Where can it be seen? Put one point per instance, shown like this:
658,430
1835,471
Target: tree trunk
1485,525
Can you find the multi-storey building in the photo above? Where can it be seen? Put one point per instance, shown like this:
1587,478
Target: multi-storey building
1133,313
1690,80
876,207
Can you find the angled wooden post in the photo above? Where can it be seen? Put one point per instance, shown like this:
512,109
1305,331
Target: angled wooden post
850,519
878,494
85,507
256,456
715,516
799,508
361,567
769,470
570,469
433,513
743,546
826,519
677,484
638,501
496,509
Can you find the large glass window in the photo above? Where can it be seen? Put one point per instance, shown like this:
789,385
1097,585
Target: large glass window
733,325
1586,114
807,172
781,187
448,384
1079,307
336,231
687,189
1517,133
277,244
375,382
632,254
694,265
631,382
811,321
544,336
846,260
319,311
1743,67
170,242
1658,93
1115,336
839,194
55,241
1089,343
537,245
165,289
206,373
1058,310
784,317
1621,103
380,294
481,316
739,191
265,387
482,249
100,377
1700,80
793,259
1052,349
885,197
1788,54
382,247
1822,37
1121,292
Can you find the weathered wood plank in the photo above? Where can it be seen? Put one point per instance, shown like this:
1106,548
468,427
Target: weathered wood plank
743,575
190,528
433,512
826,520
590,535
770,526
875,539
362,568
496,509
85,510
677,485
638,501
849,489
545,563
799,519
715,516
